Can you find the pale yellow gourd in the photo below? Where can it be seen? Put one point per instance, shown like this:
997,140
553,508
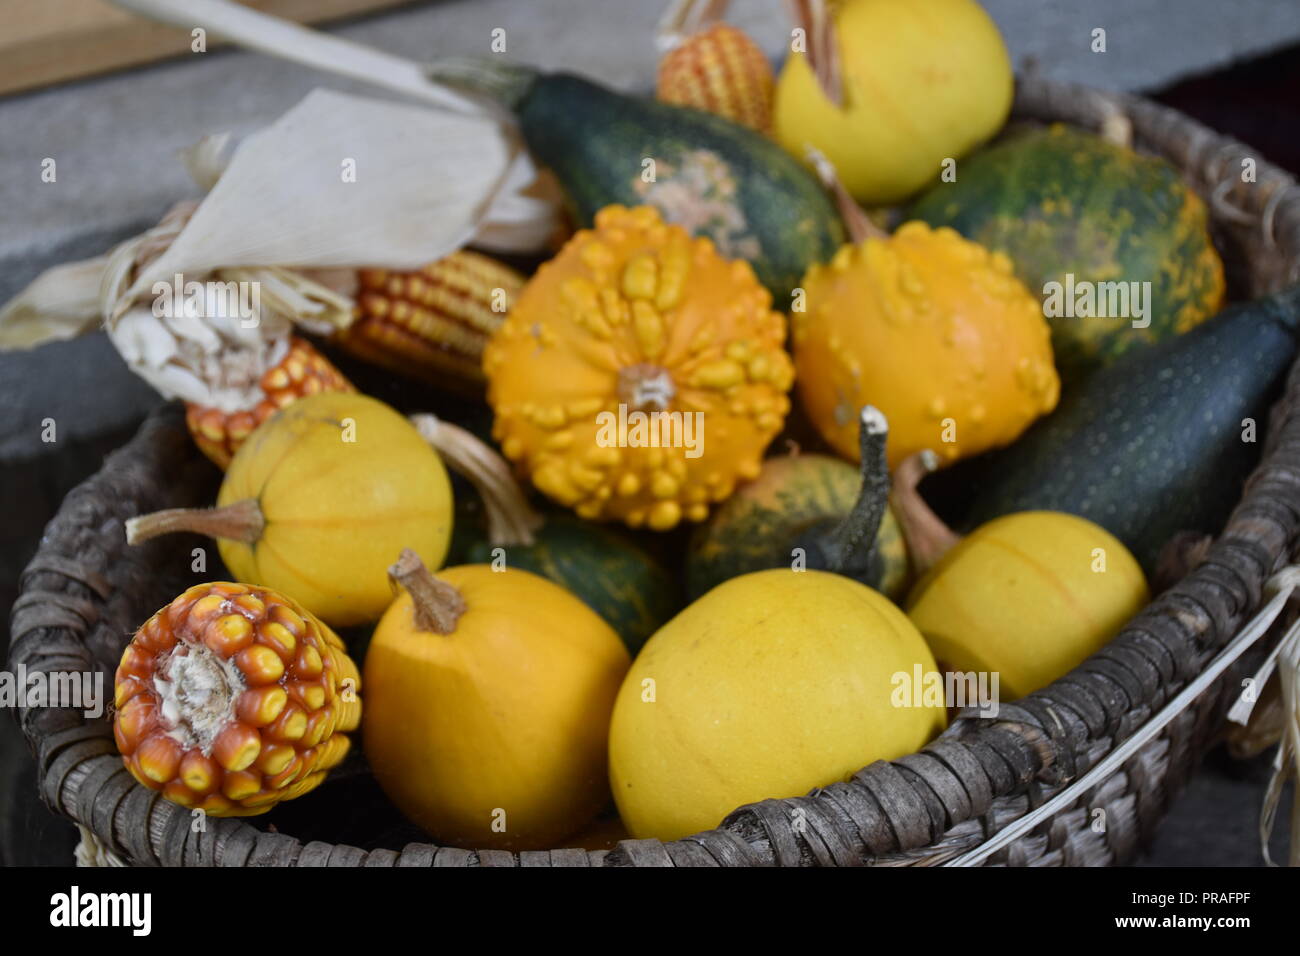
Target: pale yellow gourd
922,82
771,684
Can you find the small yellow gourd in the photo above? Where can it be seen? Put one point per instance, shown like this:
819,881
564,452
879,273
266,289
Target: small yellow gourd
488,695
1027,596
913,85
317,501
639,374
934,331
771,684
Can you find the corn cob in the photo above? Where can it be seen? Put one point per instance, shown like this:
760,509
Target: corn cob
302,371
432,324
720,70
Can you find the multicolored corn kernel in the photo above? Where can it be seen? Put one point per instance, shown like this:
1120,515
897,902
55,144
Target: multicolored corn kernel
432,325
233,698
302,371
720,70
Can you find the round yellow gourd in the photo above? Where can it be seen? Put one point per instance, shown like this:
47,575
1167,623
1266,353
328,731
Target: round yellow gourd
934,331
639,375
317,501
1029,596
771,684
488,695
923,81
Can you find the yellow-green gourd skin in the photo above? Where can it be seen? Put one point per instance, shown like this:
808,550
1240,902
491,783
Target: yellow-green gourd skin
924,81
771,684
1029,596
337,511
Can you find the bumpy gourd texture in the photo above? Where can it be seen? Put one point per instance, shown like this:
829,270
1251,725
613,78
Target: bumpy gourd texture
932,330
922,83
636,312
344,483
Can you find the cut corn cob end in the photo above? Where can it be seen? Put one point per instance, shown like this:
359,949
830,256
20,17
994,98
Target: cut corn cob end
720,70
233,698
432,324
303,371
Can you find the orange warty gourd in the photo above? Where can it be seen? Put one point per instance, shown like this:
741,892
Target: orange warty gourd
934,331
634,318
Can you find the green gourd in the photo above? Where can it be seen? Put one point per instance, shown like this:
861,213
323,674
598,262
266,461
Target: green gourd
704,172
836,513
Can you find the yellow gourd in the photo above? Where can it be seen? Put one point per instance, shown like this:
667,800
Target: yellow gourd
771,684
1027,596
318,500
920,82
934,331
488,695
639,375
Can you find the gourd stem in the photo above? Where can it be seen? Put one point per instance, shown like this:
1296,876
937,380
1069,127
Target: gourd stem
861,525
438,605
511,520
928,538
858,223
241,521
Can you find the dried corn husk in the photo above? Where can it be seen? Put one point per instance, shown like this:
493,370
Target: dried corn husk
337,183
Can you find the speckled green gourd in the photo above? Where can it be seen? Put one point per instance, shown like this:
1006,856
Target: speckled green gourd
702,171
1060,201
1154,444
806,502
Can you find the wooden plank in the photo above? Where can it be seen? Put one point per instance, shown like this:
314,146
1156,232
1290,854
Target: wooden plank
50,41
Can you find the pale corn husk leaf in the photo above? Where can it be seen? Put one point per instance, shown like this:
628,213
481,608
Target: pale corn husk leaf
283,215
61,303
1286,765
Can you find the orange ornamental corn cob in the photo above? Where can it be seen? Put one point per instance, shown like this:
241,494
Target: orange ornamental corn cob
302,371
433,324
233,698
720,70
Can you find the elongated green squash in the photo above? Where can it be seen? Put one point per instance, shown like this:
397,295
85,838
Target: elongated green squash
1157,443
706,173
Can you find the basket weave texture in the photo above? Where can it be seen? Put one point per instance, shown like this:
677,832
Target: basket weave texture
86,591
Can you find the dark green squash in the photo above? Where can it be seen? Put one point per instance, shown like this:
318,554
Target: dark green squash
820,504
715,177
603,567
1152,445
1060,202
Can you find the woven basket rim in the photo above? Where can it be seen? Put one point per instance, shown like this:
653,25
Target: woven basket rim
923,808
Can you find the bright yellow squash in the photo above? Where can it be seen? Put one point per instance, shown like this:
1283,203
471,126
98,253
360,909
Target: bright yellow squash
318,500
771,684
487,706
1028,596
640,374
931,329
921,81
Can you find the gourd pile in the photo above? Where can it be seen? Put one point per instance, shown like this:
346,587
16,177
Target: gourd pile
699,561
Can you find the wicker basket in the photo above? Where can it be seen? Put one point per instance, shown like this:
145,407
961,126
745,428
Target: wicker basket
86,591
